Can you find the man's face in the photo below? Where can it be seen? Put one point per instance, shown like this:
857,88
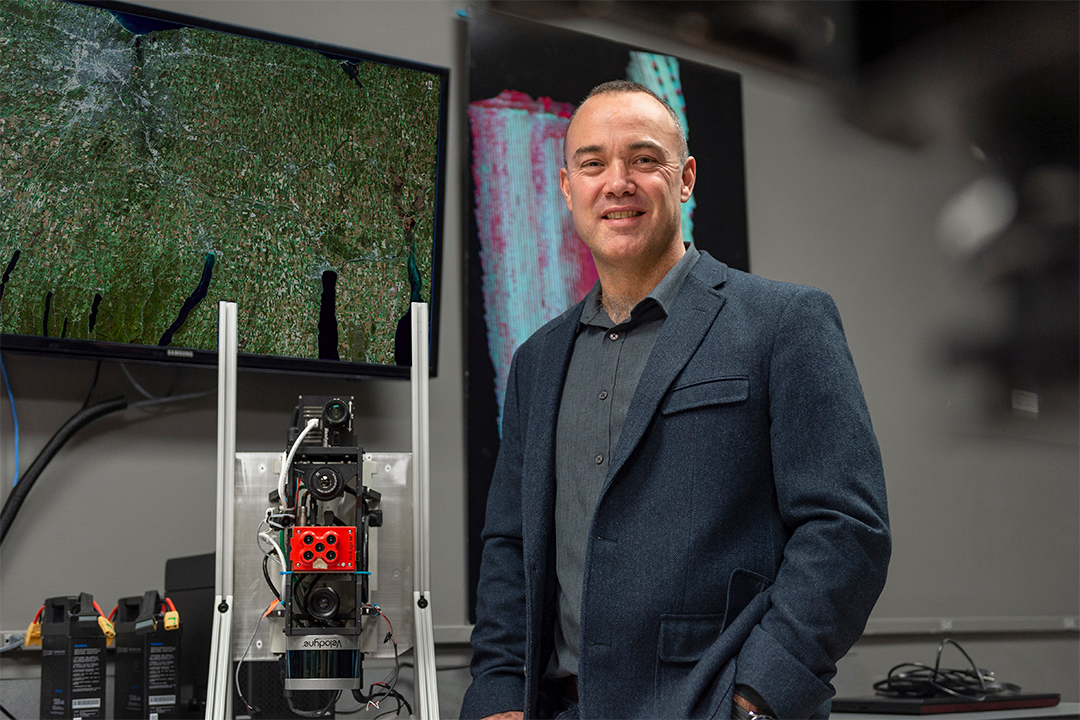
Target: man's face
623,181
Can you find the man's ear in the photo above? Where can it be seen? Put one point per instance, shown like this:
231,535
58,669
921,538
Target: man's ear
564,185
689,176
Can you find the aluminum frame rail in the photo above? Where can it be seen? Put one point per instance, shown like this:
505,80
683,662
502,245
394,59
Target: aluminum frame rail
218,693
427,690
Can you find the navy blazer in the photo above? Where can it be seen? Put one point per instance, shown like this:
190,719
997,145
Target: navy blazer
741,535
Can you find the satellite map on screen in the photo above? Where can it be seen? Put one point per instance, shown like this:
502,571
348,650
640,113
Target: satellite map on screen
149,170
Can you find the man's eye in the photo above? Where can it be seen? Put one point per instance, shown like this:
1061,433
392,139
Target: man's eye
645,160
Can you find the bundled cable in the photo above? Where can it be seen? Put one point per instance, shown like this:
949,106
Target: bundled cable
387,688
288,460
918,680
77,421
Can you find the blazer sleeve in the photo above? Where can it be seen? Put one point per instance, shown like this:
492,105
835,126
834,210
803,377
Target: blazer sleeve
831,493
498,638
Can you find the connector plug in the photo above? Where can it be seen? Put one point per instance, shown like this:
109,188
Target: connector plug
106,627
33,634
172,620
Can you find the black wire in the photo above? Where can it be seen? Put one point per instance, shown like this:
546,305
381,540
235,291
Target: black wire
385,689
173,398
93,384
75,423
266,574
252,709
300,594
314,713
919,680
6,713
400,700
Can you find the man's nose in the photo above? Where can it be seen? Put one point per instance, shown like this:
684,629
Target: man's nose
620,180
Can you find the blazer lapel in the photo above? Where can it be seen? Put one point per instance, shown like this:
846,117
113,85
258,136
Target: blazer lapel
538,482
696,307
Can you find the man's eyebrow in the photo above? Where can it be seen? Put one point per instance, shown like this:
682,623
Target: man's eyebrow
635,146
649,145
587,150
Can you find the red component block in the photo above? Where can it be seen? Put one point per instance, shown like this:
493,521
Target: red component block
323,549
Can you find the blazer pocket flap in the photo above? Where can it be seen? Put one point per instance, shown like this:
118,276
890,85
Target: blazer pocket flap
685,638
704,394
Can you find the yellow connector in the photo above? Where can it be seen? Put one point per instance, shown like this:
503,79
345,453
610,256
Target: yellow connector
106,627
33,634
172,620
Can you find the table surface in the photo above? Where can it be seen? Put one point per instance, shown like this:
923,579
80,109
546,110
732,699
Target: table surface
1061,711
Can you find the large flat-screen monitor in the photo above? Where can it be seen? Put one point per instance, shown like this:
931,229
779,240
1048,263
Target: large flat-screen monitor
153,164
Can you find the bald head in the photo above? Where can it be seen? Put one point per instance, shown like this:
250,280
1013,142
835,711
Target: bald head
627,86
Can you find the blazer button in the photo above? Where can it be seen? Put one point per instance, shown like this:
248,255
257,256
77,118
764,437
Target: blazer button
599,459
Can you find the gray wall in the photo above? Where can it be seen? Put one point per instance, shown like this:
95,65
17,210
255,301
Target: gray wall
985,511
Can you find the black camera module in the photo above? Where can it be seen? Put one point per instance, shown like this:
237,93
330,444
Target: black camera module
335,413
323,603
326,483
332,416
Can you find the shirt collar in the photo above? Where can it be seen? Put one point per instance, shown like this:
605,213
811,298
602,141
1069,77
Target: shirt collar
663,294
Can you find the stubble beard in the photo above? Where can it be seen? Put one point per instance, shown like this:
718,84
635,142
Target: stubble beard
617,308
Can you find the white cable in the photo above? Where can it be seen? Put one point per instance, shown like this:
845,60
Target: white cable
288,461
281,559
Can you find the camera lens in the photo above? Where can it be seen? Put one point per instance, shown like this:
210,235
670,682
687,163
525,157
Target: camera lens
331,555
308,539
331,539
323,603
308,555
325,483
335,413
319,547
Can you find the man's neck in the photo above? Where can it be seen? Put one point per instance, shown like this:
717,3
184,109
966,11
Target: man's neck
623,288
618,308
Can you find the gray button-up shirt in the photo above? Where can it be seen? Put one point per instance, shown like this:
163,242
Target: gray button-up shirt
605,367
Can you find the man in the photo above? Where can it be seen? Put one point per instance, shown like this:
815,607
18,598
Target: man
687,516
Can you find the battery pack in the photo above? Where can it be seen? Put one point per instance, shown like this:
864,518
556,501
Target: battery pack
147,658
72,659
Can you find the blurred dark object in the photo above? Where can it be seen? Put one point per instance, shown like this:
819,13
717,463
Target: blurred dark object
264,687
999,78
1002,79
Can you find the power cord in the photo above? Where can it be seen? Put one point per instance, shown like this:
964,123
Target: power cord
76,422
919,680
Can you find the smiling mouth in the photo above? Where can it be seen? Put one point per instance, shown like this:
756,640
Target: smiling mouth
623,214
